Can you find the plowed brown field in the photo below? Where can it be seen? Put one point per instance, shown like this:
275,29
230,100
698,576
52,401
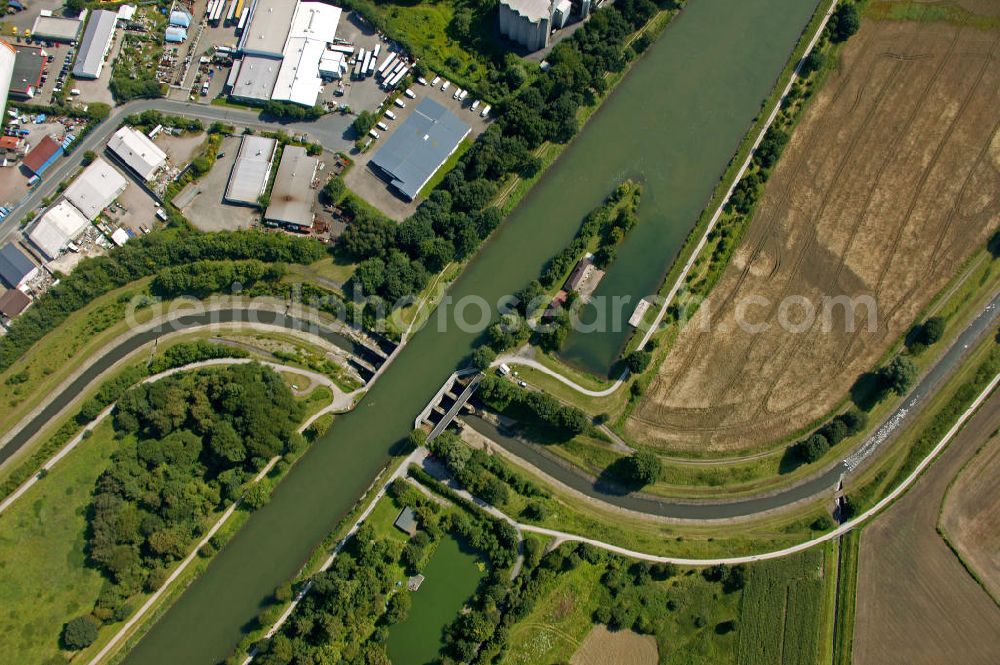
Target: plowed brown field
890,181
971,515
916,603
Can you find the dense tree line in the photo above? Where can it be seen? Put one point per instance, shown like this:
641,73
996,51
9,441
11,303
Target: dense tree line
346,616
291,112
189,444
142,257
836,430
147,120
484,475
202,278
500,394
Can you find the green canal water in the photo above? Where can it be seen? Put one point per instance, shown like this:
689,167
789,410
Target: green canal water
452,576
675,121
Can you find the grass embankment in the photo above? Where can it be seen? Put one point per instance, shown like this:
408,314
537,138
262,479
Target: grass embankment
694,620
44,575
937,12
847,586
767,466
913,445
566,510
44,579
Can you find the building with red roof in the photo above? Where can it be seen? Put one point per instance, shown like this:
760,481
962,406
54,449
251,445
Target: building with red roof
43,155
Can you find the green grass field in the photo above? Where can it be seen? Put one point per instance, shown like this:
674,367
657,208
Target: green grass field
777,617
43,578
455,38
782,610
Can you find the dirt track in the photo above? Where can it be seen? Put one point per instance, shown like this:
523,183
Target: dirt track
916,603
971,515
891,180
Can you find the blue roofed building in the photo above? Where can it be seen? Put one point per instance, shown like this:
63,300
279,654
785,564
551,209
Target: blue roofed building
16,269
419,147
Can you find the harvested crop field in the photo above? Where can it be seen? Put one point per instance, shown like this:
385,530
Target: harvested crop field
970,517
916,603
889,183
622,647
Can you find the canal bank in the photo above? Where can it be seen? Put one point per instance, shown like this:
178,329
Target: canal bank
673,127
208,620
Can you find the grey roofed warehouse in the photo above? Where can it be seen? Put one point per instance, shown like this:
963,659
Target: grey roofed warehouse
415,151
95,45
251,170
292,195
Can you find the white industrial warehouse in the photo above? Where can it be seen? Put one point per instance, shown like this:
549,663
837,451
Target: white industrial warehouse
137,152
96,44
251,170
283,46
97,188
58,227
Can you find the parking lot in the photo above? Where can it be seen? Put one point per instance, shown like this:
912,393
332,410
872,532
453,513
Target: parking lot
363,182
134,210
203,203
97,90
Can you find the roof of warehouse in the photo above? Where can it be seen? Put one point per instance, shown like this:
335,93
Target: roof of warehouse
57,27
13,302
137,151
28,66
251,170
97,36
96,188
292,194
419,147
14,265
41,153
268,27
298,79
315,20
257,78
60,225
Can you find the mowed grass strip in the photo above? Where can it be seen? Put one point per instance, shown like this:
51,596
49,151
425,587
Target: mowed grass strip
44,580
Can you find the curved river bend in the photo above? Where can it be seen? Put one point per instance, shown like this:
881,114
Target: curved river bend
675,120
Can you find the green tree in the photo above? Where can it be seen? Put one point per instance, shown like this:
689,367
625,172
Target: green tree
638,361
483,357
845,22
898,375
89,157
813,448
643,468
79,633
812,62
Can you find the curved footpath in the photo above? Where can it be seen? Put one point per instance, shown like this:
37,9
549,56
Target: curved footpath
98,366
341,402
825,480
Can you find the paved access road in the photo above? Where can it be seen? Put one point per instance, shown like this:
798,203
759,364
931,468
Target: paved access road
824,481
331,131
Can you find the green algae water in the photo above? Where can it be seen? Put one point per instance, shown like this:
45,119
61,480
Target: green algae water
451,578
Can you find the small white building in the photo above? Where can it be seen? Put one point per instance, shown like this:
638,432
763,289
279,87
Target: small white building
57,228
96,188
137,152
251,171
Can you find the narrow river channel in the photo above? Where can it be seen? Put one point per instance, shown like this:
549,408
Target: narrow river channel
700,84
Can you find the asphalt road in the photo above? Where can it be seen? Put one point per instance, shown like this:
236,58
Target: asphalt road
331,131
825,481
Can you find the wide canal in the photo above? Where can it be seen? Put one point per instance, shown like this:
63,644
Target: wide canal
675,121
